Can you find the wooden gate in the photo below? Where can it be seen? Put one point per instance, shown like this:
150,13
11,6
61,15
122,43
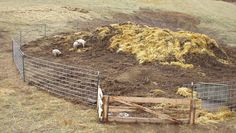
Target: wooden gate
145,109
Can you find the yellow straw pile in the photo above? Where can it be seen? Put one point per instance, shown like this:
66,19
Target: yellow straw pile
167,47
205,117
186,92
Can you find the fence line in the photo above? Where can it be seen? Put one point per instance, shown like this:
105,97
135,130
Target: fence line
216,95
18,57
77,83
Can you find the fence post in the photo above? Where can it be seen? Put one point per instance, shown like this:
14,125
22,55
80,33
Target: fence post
98,85
192,107
192,89
105,101
23,67
98,81
192,112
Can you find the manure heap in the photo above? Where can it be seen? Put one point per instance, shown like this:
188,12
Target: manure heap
153,44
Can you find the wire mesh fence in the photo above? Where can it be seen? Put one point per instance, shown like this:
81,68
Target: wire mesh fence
76,83
18,57
215,96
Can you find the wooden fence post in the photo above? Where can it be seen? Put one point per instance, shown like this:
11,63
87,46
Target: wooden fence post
105,108
192,112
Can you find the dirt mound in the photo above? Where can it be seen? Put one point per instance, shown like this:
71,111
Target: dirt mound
122,74
151,44
147,44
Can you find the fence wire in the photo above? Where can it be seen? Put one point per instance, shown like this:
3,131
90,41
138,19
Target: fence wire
18,57
217,95
76,83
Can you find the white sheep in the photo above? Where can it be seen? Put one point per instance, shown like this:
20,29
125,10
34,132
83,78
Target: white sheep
78,43
56,52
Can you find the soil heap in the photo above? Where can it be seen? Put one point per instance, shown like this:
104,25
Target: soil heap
167,47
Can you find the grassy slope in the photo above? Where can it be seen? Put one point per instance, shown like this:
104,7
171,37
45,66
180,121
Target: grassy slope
218,16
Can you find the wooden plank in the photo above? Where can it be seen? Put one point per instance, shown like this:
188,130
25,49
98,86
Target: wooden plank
116,109
143,120
122,107
177,112
133,109
150,100
157,113
105,108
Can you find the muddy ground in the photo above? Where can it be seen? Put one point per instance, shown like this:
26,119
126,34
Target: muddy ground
121,74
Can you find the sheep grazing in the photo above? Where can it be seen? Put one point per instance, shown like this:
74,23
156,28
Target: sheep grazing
78,43
56,52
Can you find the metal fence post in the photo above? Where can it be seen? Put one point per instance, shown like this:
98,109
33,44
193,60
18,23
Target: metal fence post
23,67
98,86
192,86
98,82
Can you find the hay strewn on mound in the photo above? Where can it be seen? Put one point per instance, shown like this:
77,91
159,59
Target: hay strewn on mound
151,44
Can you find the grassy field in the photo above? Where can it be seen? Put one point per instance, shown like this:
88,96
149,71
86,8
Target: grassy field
216,17
23,108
